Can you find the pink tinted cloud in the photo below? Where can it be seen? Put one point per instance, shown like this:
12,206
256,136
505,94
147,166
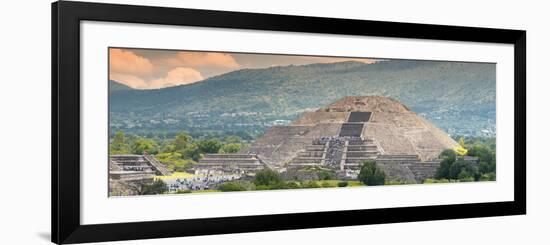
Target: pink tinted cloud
126,62
177,76
204,59
334,60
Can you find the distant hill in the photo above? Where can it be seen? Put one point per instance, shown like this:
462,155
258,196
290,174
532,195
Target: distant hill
115,86
457,97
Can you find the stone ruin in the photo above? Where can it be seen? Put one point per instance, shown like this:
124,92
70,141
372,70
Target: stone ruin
228,164
128,171
340,137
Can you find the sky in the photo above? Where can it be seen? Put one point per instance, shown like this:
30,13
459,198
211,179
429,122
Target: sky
154,68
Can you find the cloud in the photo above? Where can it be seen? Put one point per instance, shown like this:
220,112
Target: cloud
126,62
204,59
334,60
177,76
129,80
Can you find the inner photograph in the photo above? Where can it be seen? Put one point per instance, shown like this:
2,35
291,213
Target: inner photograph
187,122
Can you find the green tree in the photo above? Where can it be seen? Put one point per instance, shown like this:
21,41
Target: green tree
174,161
442,171
267,177
167,146
456,167
181,141
370,174
464,175
157,187
325,175
192,151
209,146
486,168
119,138
144,145
460,166
230,148
447,153
448,157
233,139
118,144
484,153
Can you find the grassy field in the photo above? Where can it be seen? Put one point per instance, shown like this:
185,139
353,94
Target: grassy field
334,183
175,175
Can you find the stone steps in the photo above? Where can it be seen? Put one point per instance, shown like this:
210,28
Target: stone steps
315,147
138,163
307,159
361,153
310,154
232,160
231,155
359,160
351,129
158,166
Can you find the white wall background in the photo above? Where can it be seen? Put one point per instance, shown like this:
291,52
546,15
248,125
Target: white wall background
25,121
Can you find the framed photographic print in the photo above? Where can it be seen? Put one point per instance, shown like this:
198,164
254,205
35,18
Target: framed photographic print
177,122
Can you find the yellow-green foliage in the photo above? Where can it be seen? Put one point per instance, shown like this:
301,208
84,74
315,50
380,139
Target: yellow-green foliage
437,181
174,161
460,150
399,182
230,148
175,175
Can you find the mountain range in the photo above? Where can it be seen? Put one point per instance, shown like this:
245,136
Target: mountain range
458,97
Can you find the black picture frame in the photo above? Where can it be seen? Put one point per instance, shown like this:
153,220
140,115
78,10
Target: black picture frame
66,18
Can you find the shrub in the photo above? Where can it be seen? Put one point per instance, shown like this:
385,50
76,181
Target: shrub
483,152
311,184
433,181
262,187
285,185
467,179
231,186
464,175
342,184
267,177
326,184
488,177
157,187
324,175
399,182
292,185
183,191
370,174
486,167
461,169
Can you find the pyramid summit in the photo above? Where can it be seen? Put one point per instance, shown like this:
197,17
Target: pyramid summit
341,136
